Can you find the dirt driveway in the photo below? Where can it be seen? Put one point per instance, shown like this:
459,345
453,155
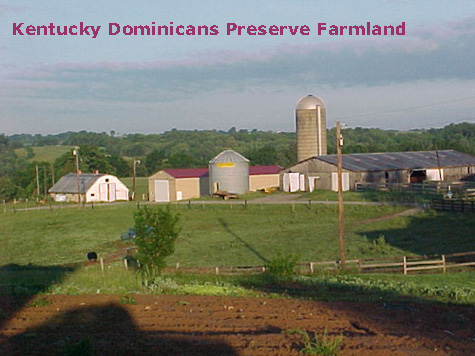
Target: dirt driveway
194,325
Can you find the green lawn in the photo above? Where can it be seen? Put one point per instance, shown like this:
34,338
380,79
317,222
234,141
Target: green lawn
37,245
227,234
371,196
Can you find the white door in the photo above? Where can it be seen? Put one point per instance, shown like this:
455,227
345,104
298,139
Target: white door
162,193
345,182
103,192
112,192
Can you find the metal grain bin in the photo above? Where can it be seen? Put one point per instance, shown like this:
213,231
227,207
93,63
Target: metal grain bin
229,172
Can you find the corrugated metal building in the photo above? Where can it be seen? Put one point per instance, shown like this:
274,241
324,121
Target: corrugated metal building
229,172
395,167
189,183
92,188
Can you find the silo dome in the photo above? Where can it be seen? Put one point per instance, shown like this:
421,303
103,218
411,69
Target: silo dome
311,121
309,102
229,172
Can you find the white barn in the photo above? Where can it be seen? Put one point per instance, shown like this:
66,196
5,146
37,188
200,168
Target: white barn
92,188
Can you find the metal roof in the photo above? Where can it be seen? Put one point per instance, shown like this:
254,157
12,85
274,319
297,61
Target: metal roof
229,156
257,170
69,183
309,102
400,160
187,172
202,172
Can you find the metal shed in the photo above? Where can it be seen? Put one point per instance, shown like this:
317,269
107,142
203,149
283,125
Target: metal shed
394,167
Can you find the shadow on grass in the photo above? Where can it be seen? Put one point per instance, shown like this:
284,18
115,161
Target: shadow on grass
226,227
84,330
432,233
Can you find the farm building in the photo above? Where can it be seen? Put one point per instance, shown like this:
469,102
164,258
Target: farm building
92,188
189,183
320,172
262,177
178,184
229,172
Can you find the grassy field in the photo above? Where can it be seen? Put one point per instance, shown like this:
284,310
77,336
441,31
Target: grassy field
141,186
227,234
44,153
37,246
371,196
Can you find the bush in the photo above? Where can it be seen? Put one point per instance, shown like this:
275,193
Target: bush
157,230
283,265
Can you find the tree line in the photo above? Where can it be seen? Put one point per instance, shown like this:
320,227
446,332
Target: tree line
114,154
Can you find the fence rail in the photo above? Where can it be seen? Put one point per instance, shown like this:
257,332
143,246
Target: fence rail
404,264
466,189
453,205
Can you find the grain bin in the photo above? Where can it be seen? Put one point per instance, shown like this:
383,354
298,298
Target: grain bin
311,128
229,172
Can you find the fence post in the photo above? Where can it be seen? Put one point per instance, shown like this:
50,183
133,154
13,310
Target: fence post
404,264
311,267
216,270
443,264
360,264
126,264
102,265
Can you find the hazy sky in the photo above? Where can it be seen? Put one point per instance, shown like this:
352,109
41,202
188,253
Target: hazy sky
153,83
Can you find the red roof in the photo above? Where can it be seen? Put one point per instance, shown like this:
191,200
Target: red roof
199,172
187,172
256,170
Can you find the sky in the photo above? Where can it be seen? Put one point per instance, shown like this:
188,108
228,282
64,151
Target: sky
422,77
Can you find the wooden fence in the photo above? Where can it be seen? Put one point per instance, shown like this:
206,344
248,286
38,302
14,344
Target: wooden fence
465,189
404,264
453,205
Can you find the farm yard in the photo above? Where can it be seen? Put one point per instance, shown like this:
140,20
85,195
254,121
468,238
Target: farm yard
48,287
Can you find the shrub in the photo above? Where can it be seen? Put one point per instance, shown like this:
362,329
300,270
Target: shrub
157,230
283,265
323,345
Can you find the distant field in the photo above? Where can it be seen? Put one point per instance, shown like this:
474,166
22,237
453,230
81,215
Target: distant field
141,186
44,153
220,235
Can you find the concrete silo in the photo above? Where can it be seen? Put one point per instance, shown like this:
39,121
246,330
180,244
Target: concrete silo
311,127
229,172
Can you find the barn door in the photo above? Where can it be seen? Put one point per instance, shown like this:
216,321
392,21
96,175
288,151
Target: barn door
112,191
103,193
162,193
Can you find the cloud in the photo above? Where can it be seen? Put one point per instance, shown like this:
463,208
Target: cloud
424,54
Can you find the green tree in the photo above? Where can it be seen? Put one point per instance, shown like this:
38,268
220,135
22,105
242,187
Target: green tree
157,230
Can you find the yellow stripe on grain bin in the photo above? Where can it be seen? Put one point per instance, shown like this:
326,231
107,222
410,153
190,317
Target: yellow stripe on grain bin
225,164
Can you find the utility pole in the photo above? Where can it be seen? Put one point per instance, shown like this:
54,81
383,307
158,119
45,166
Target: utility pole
341,227
136,161
37,184
45,185
76,154
52,174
